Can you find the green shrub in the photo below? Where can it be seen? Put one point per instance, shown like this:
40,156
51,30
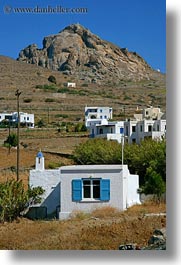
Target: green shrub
27,100
80,127
12,140
49,100
14,199
52,79
85,85
41,123
63,90
47,87
53,165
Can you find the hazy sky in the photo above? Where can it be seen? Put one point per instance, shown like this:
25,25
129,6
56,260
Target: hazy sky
139,25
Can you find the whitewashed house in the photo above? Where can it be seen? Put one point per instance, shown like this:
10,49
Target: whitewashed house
70,84
150,113
83,188
136,131
108,130
4,116
95,115
26,119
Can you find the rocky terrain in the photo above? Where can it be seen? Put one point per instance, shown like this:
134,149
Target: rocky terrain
76,51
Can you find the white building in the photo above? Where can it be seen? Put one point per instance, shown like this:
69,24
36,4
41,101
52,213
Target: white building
26,119
150,113
4,116
69,84
136,131
94,115
83,188
151,123
108,130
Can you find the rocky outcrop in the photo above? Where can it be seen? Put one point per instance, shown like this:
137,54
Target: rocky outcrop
76,51
156,242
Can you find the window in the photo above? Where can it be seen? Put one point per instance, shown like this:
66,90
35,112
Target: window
150,128
141,128
28,118
105,117
91,189
101,110
93,117
134,128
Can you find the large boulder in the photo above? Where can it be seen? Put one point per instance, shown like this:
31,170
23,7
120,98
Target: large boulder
76,51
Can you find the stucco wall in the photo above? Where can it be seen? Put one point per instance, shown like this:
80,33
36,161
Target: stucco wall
49,180
116,189
132,195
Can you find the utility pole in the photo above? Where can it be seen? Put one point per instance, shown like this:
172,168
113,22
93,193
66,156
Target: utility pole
124,112
17,94
48,115
122,150
9,136
122,145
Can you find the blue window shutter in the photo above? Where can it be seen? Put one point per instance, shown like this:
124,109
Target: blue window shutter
121,130
105,189
76,190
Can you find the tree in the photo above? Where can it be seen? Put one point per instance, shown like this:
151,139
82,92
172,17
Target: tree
80,127
154,184
14,199
137,157
41,123
52,79
12,140
98,151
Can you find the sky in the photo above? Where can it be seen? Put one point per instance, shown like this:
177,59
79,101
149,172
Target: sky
139,25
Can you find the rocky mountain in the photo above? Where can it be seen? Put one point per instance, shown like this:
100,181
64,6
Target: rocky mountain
78,52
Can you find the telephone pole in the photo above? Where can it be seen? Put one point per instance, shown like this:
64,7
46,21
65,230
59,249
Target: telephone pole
17,94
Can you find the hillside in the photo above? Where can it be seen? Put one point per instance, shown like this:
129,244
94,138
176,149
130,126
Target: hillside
57,103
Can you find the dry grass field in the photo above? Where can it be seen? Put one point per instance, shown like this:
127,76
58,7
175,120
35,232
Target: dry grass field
103,229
